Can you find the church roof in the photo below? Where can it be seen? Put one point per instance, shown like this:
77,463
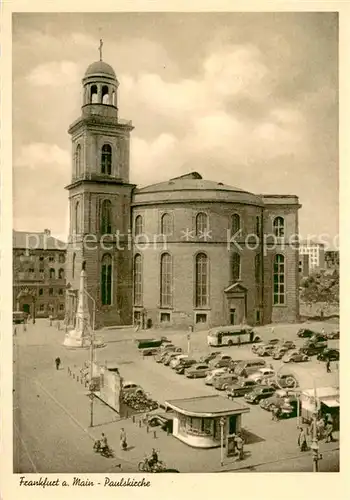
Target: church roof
194,182
100,68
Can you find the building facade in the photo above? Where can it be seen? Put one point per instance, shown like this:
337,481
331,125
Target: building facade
316,253
331,258
39,282
183,252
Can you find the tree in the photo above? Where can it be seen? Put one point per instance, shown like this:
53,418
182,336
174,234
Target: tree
320,287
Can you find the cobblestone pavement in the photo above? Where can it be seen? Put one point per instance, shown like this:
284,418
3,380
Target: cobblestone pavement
52,410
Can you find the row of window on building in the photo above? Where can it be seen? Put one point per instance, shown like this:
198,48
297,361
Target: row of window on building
27,255
52,273
51,291
47,307
201,279
167,223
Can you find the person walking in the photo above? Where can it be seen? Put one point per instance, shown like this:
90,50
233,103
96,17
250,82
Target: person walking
57,363
328,365
302,440
239,446
123,442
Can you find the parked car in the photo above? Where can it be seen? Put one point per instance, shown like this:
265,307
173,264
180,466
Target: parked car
313,348
258,393
262,373
130,387
331,354
333,335
198,370
241,388
287,344
284,381
160,357
248,366
221,361
273,342
169,357
279,352
295,357
164,420
220,382
265,350
285,401
184,363
305,333
209,357
169,347
318,337
255,347
233,363
212,373
175,361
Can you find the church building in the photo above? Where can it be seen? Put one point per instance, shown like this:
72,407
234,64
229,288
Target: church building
180,253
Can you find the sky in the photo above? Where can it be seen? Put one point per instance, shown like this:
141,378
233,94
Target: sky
247,99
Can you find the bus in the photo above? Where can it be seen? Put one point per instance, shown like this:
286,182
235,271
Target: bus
231,335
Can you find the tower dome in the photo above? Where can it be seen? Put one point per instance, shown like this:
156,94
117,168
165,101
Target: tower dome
100,68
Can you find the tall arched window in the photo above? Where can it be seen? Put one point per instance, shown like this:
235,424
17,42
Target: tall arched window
77,217
235,223
201,224
166,278
106,280
93,94
236,267
202,280
61,274
258,268
106,217
105,95
78,160
138,225
73,265
138,280
52,274
166,225
279,280
278,227
106,159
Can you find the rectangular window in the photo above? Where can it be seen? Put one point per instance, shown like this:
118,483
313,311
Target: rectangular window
50,291
41,291
51,258
61,307
138,280
42,307
60,291
201,318
201,281
165,317
166,281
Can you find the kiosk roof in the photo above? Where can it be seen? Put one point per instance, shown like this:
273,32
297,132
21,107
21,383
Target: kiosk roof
207,405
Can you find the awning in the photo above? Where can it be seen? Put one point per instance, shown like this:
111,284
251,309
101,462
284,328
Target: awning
331,403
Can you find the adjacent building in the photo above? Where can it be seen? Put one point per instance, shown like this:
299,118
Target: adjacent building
304,268
331,258
316,253
39,285
184,252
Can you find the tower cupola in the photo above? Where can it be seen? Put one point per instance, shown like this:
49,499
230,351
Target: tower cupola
100,89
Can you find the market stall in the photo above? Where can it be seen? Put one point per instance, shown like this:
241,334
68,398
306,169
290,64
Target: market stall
323,400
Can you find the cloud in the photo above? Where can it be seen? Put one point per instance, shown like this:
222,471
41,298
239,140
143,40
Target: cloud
55,73
37,155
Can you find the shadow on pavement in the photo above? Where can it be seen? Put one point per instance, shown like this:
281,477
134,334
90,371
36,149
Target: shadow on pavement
251,438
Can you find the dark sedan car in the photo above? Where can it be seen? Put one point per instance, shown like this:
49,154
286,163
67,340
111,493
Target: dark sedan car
305,333
241,388
209,357
259,393
184,363
331,354
164,420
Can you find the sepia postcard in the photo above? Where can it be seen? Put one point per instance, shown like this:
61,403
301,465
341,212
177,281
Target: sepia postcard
170,251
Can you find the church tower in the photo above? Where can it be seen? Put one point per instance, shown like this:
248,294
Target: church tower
100,201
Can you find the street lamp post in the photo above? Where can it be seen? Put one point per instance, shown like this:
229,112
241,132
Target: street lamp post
316,456
222,423
92,345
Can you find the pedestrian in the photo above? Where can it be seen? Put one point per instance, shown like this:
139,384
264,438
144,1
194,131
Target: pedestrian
57,363
50,319
239,446
328,365
15,331
33,321
329,432
104,442
302,440
137,326
239,341
123,442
